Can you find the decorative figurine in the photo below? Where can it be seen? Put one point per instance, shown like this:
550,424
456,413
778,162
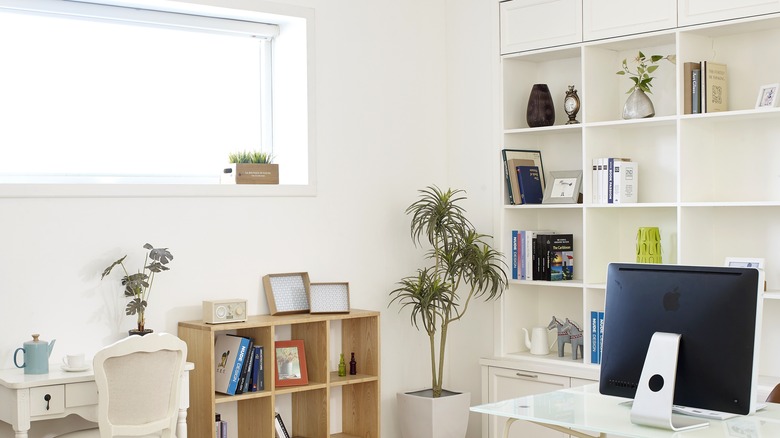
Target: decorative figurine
576,340
563,335
571,104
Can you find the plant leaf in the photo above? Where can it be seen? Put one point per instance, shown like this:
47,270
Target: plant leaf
108,269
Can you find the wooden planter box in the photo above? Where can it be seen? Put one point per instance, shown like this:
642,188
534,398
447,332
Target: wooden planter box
250,173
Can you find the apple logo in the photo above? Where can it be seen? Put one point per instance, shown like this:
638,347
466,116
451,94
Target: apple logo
672,300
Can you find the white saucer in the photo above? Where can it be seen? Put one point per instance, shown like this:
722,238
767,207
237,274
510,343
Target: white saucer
75,369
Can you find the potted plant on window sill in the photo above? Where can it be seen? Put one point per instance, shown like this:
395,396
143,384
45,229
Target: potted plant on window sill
138,286
251,167
464,268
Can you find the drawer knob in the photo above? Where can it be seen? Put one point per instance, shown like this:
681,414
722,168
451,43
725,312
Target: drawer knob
47,397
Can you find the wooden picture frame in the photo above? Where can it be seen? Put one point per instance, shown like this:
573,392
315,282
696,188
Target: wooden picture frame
287,293
767,96
290,363
329,298
564,187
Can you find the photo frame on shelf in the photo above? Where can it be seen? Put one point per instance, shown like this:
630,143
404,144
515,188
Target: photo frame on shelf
290,363
287,293
329,298
564,187
767,96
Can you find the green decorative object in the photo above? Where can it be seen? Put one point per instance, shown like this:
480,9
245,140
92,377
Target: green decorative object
648,245
342,367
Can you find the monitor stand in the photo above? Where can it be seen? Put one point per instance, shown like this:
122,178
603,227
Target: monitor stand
655,394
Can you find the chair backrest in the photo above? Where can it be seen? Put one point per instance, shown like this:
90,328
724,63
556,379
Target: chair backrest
138,381
774,396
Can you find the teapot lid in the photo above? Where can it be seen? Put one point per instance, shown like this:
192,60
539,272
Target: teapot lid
35,337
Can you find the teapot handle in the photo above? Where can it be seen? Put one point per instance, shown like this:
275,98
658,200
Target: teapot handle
15,355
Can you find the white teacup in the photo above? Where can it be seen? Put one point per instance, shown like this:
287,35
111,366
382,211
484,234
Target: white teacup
74,360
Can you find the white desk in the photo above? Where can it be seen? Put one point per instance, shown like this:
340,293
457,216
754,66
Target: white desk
23,397
593,415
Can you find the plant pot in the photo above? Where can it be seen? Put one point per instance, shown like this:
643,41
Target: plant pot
251,173
638,106
143,332
422,416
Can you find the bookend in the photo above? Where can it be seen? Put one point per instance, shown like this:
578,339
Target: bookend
655,394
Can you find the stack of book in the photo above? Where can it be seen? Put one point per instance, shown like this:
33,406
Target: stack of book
705,87
239,365
524,176
542,255
614,181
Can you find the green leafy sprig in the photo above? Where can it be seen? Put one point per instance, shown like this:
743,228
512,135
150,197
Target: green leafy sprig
642,75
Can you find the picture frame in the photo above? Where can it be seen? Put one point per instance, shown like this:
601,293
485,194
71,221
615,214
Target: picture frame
290,363
745,262
767,96
564,187
329,298
287,293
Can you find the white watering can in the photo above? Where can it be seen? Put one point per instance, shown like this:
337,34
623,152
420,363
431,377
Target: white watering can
537,342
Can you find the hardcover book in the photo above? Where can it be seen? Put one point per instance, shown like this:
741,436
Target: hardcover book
230,352
515,182
628,173
281,431
688,82
696,91
594,337
258,379
715,93
531,191
560,256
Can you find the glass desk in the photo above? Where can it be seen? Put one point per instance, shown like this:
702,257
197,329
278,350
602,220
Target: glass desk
591,414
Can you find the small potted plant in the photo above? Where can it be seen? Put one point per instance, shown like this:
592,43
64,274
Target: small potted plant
638,105
251,167
138,286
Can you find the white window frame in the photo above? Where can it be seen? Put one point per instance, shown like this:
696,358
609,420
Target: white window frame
293,52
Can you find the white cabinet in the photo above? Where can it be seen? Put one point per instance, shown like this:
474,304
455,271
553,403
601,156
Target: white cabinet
703,11
530,24
504,381
710,182
609,18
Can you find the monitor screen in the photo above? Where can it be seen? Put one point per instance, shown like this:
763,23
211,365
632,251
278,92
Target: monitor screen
717,312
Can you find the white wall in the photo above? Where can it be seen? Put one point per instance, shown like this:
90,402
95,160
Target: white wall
404,99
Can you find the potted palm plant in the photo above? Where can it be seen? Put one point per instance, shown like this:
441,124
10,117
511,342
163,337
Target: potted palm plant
138,286
463,268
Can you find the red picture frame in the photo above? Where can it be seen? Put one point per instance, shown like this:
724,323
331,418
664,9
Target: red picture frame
290,363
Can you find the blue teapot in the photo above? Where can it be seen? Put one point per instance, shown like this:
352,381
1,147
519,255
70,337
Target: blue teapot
36,356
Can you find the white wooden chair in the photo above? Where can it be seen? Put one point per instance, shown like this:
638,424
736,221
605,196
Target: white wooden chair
138,381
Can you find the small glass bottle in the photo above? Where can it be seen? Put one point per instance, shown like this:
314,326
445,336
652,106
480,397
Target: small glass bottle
342,366
352,365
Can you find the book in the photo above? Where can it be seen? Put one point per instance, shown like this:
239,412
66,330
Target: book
510,174
515,182
229,355
258,378
531,191
688,82
281,431
629,183
515,257
530,253
610,178
714,87
696,91
560,257
594,182
521,255
246,373
616,181
594,337
601,334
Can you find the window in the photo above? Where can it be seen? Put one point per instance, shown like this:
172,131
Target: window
102,94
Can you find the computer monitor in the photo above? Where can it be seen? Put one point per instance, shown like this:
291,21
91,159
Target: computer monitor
717,313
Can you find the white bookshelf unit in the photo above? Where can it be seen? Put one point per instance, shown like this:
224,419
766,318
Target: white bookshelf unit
710,182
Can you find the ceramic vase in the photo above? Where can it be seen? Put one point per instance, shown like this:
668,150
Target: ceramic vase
638,106
648,245
541,111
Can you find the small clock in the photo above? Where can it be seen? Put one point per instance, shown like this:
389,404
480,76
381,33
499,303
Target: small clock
571,104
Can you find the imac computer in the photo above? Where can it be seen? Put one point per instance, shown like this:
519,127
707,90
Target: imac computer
681,335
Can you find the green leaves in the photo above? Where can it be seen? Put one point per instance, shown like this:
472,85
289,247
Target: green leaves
642,76
251,157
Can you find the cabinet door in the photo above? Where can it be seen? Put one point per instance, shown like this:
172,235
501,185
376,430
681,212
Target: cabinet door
703,11
507,383
610,18
533,24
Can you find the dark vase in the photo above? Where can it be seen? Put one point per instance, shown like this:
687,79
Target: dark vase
541,111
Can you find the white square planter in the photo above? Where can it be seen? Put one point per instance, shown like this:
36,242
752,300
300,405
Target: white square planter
423,416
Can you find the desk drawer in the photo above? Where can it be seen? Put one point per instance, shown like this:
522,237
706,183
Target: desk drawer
81,394
47,400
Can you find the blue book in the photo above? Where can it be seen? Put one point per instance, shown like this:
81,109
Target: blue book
601,333
594,338
230,352
530,185
258,380
514,255
521,253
